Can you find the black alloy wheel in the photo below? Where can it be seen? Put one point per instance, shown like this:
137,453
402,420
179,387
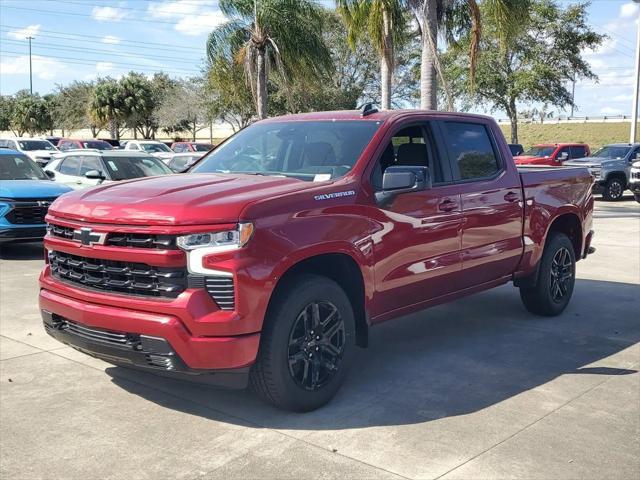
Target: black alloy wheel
316,345
561,275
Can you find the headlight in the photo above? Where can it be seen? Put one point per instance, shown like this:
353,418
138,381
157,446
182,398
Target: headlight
228,239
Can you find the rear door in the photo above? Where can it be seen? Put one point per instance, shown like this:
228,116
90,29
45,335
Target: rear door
417,253
578,151
491,201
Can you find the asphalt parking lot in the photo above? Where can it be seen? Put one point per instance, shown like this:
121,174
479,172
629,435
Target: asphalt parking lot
474,389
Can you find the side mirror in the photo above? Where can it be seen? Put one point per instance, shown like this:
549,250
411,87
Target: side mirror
563,156
94,175
400,179
50,173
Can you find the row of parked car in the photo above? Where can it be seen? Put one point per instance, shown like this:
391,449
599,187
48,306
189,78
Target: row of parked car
176,155
611,165
77,164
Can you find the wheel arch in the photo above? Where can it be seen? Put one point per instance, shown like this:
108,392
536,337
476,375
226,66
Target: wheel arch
343,269
618,174
570,224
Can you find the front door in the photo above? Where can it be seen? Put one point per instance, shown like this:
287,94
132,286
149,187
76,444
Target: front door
417,250
491,200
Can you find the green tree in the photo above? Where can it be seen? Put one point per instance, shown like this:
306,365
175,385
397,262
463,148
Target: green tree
7,106
107,106
137,104
186,109
382,23
75,108
535,67
271,35
454,17
53,106
30,114
231,99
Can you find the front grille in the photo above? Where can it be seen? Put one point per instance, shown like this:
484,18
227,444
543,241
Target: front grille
222,291
96,335
134,240
29,212
635,175
117,276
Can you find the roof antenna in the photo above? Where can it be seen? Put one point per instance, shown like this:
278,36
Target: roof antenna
368,109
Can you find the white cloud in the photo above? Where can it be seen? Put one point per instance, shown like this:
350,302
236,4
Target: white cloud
30,31
102,67
43,68
611,111
108,14
605,48
191,18
629,10
110,39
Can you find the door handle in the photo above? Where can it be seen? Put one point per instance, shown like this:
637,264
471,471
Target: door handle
447,205
512,197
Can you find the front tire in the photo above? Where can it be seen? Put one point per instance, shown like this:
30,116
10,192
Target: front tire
613,189
556,278
637,197
306,346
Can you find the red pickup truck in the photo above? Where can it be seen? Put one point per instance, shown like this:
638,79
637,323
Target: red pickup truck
272,258
552,154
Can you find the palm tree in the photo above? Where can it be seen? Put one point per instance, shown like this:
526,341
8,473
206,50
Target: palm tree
456,17
382,22
266,35
106,105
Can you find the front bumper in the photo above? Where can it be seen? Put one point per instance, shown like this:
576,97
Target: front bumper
634,187
191,355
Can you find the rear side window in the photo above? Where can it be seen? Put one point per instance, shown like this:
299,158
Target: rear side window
69,166
471,150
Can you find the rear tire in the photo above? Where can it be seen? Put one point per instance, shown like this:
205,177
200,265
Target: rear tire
556,278
306,346
613,189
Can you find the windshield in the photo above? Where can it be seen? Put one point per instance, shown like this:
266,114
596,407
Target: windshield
97,144
612,152
540,151
155,147
20,167
123,168
29,145
313,150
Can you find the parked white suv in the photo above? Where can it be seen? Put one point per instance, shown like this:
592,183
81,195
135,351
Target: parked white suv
39,150
152,147
87,168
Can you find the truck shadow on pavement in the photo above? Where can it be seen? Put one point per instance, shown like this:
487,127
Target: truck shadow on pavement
451,360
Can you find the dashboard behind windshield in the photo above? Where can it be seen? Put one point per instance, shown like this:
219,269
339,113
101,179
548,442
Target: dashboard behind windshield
20,167
313,150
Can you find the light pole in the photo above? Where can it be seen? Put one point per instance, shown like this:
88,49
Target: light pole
30,69
636,85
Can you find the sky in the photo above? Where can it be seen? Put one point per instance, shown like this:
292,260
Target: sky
87,39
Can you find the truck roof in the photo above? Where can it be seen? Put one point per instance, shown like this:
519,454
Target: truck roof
379,116
570,144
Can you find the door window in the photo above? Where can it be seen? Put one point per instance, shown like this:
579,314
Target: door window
563,154
471,150
578,151
179,148
69,166
90,163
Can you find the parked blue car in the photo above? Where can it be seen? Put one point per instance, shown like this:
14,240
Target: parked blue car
25,195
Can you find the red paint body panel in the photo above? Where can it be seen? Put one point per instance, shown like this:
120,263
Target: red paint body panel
412,253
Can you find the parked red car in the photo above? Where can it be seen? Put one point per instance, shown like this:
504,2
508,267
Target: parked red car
273,257
185,147
73,144
552,154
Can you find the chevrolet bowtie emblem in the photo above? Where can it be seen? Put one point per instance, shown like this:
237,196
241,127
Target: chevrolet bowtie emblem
88,237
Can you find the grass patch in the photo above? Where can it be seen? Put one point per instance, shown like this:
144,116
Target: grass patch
593,134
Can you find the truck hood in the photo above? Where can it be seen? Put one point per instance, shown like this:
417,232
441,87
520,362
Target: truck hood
190,199
32,189
591,162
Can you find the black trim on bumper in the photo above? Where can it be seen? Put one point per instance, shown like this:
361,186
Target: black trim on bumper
151,354
29,234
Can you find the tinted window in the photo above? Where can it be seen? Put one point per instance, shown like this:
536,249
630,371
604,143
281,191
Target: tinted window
540,151
122,168
202,147
90,163
97,144
578,152
155,147
612,151
29,145
308,150
471,150
69,166
20,167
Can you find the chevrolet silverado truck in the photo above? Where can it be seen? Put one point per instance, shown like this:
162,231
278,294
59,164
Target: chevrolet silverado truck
552,154
273,257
